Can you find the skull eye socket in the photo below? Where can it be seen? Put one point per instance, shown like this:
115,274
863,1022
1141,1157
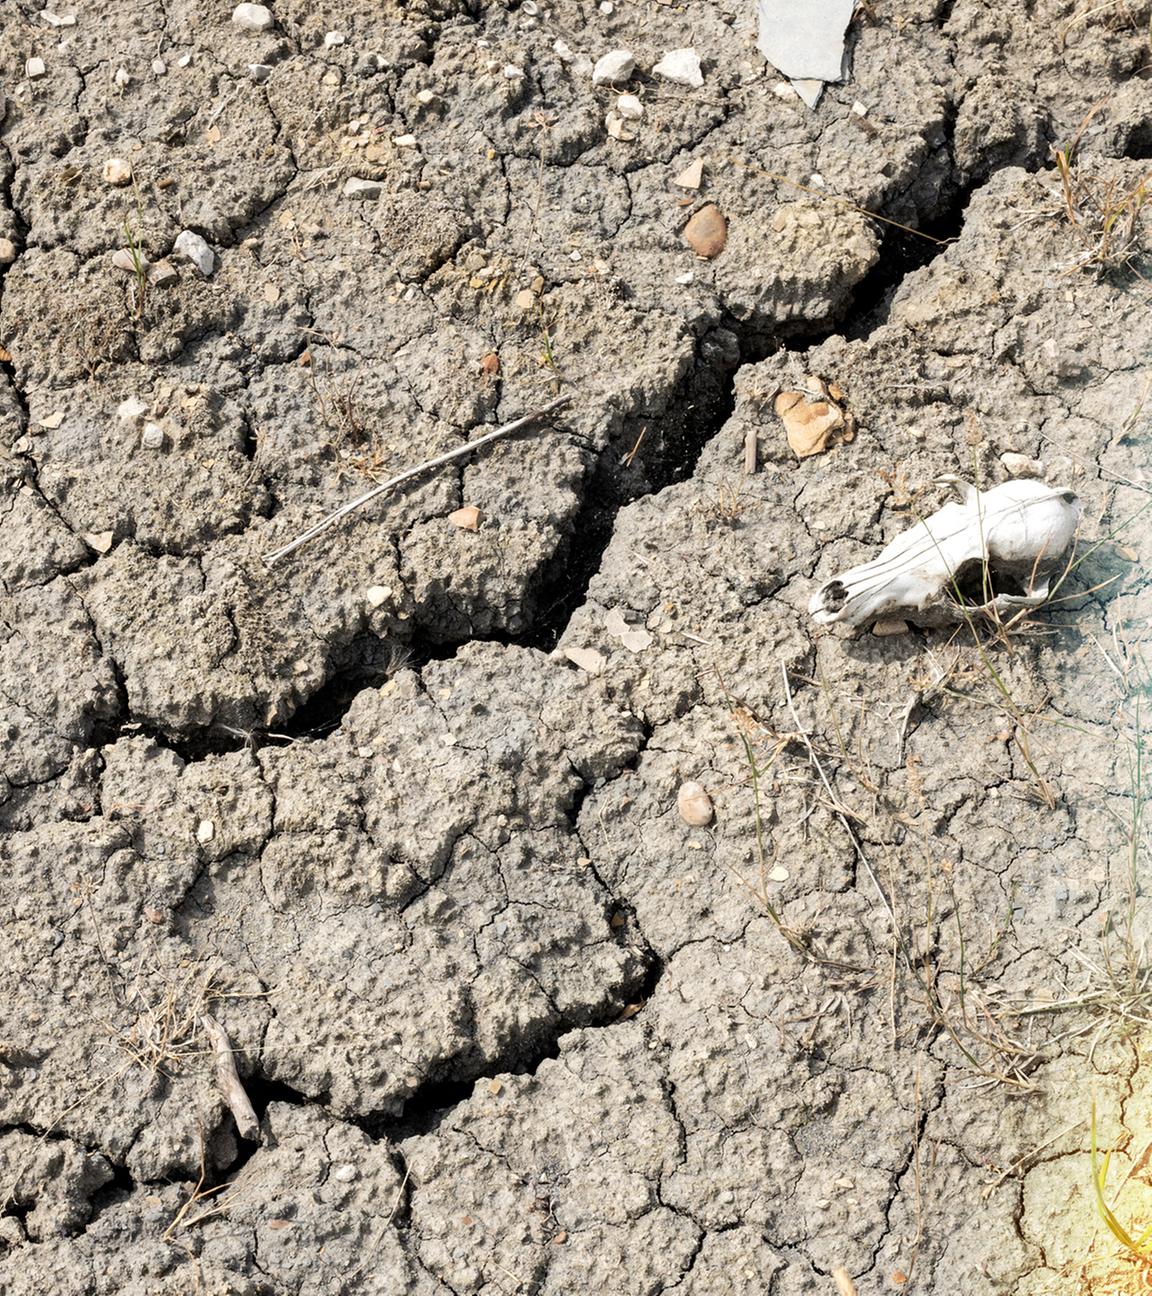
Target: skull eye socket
975,584
835,595
1070,497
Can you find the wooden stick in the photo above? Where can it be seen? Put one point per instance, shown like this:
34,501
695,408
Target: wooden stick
409,473
247,1123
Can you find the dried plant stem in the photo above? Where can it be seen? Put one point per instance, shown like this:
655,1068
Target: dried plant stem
409,473
839,810
247,1122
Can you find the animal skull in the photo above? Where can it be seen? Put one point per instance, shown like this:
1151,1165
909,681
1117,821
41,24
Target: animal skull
1011,539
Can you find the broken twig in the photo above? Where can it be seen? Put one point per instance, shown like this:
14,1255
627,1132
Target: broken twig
409,473
247,1122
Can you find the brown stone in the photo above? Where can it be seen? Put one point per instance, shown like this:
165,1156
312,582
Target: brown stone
707,232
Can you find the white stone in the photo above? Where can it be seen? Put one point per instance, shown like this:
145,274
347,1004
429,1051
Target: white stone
332,39
692,177
259,72
192,248
426,98
364,190
159,67
785,90
34,69
117,172
616,65
205,831
685,278
404,141
58,20
253,17
131,409
7,251
513,73
588,659
563,51
184,60
629,107
681,67
152,438
122,77
378,595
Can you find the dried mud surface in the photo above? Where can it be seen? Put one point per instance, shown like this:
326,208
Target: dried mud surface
401,812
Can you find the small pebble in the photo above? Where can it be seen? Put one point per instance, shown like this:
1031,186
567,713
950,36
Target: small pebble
707,232
117,172
345,1173
58,20
681,67
525,300
184,60
785,90
122,77
192,248
466,518
332,39
125,259
404,141
629,107
563,51
7,251
607,7
1021,465
253,17
205,829
530,8
616,65
882,629
152,438
101,541
259,72
685,278
426,98
377,595
34,69
365,190
159,67
513,73
163,275
616,127
694,805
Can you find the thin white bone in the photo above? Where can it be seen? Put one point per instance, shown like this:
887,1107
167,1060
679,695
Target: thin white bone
1022,527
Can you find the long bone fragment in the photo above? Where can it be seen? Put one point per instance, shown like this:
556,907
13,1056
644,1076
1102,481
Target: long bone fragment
1020,530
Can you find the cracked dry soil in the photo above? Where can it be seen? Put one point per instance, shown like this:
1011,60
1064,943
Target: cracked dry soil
510,1024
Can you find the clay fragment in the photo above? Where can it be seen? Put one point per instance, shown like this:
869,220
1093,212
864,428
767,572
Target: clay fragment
811,419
